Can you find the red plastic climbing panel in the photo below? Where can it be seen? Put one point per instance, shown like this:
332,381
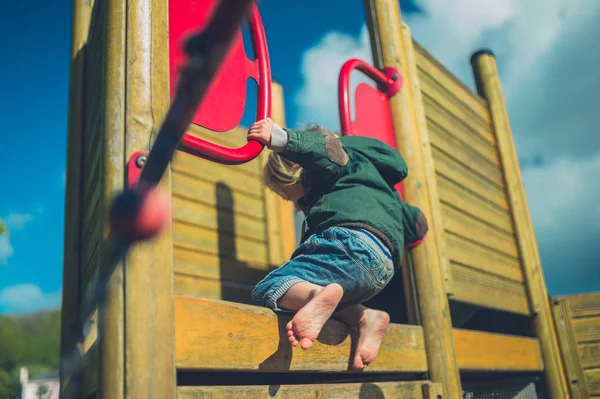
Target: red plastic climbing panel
372,105
223,106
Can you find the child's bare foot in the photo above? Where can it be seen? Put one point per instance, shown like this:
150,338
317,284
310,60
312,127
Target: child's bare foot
306,325
371,329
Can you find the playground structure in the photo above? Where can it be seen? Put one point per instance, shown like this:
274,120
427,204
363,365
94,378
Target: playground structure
178,320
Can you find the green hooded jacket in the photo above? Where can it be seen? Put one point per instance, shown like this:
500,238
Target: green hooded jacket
349,181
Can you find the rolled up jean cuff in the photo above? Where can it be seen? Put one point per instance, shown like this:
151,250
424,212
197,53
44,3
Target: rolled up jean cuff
273,296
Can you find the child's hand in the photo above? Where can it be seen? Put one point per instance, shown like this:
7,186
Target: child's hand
261,131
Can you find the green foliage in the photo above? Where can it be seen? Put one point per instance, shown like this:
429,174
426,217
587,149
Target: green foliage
3,229
31,341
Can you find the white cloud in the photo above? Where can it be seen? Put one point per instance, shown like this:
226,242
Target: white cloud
6,249
547,52
25,298
13,222
566,212
17,221
318,97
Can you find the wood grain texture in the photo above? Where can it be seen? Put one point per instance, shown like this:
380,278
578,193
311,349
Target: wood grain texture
211,241
488,290
585,305
593,381
472,229
212,334
590,355
489,87
453,170
201,287
81,17
482,351
466,154
587,329
379,390
428,64
149,321
569,350
469,253
392,45
444,124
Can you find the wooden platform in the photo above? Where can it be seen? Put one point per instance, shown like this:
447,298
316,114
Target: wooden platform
212,334
578,324
413,390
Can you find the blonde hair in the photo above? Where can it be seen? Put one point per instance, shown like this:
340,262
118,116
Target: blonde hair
280,173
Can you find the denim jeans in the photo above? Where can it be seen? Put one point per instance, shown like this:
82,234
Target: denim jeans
353,258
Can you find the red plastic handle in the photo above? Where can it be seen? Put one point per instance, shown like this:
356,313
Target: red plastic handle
389,81
235,156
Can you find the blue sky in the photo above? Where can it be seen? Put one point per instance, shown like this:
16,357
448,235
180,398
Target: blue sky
539,44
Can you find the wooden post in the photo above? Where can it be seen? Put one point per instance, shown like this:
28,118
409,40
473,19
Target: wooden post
392,46
111,318
286,208
149,302
72,235
488,85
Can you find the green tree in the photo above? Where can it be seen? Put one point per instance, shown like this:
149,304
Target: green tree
3,229
8,386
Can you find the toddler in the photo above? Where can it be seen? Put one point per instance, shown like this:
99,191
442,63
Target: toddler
354,232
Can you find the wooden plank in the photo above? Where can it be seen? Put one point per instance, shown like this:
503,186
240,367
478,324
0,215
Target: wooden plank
216,267
481,208
212,334
484,289
443,123
587,330
428,64
453,170
209,193
466,226
447,102
593,381
223,220
234,177
590,355
585,305
199,287
205,166
465,252
482,351
368,390
568,347
212,242
466,154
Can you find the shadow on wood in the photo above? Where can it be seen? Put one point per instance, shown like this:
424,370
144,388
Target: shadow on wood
230,266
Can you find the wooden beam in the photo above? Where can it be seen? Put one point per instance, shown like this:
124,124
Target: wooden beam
482,351
111,315
149,347
368,390
82,12
489,87
392,46
569,349
212,334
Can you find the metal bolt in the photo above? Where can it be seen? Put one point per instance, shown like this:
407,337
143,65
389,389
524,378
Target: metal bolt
141,161
395,77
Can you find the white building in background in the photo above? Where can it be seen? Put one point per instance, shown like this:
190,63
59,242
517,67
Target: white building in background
47,387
